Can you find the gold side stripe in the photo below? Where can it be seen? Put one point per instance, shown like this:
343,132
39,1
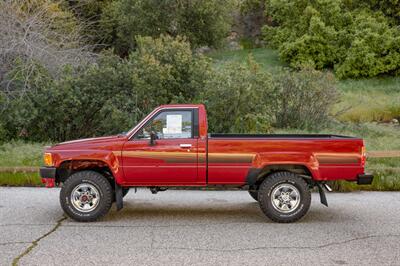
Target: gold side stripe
230,157
330,159
182,157
168,157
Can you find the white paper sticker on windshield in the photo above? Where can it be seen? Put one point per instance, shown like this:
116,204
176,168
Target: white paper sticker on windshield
174,124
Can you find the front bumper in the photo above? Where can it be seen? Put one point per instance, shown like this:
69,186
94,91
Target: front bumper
365,179
48,175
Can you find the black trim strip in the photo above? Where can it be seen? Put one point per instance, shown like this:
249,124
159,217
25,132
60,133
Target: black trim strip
47,172
272,136
195,130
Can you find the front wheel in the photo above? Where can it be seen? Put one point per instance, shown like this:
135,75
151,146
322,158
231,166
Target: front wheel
86,196
284,197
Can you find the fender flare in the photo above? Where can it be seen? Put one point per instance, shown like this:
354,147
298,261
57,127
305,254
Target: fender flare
264,163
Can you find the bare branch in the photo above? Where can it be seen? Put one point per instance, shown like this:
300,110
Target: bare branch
37,32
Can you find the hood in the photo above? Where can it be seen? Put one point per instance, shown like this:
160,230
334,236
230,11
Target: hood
89,141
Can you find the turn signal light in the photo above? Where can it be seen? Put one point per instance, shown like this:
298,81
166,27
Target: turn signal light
48,159
363,156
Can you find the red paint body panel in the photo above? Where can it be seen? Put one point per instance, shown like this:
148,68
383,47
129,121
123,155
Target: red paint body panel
288,152
165,163
104,149
211,160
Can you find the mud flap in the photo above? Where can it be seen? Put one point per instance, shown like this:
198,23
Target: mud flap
322,195
118,197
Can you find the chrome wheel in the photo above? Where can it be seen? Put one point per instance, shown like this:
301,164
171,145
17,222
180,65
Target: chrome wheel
85,197
285,198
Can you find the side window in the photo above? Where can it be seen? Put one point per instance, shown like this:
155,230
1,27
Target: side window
168,125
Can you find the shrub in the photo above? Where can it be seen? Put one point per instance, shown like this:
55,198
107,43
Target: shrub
390,8
374,50
113,94
238,99
304,98
80,103
3,133
103,98
202,22
342,35
166,70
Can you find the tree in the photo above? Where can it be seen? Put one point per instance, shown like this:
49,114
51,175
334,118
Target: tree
347,36
202,22
105,97
239,99
38,31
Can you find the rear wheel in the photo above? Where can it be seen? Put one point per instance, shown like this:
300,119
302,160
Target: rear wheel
86,196
284,197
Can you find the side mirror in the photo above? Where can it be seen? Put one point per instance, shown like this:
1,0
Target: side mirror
153,137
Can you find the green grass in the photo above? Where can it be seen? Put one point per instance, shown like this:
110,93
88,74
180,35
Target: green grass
385,179
20,179
376,137
19,153
364,100
267,58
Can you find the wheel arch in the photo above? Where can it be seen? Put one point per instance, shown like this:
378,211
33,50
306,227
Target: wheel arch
257,176
69,167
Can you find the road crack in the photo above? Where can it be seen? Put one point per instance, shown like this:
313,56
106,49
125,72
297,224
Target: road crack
278,247
36,241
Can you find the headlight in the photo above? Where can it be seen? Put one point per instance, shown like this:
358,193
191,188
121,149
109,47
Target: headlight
48,159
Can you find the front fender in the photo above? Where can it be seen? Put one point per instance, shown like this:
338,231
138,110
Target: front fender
106,157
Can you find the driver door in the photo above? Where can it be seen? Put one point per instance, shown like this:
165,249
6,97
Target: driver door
171,159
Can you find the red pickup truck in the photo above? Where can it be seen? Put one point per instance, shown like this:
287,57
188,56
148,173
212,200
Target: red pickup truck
172,148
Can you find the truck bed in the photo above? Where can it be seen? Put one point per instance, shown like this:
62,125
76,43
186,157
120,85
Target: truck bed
332,157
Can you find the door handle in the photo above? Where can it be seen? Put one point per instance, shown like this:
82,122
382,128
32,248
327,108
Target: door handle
185,146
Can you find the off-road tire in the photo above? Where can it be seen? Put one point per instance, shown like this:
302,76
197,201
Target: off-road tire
265,195
95,179
254,194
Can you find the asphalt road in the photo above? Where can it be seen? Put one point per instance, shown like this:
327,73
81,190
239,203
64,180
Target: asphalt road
198,228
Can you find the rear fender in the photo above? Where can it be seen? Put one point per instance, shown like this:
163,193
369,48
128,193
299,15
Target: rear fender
267,160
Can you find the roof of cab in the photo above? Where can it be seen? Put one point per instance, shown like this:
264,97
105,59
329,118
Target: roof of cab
181,105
